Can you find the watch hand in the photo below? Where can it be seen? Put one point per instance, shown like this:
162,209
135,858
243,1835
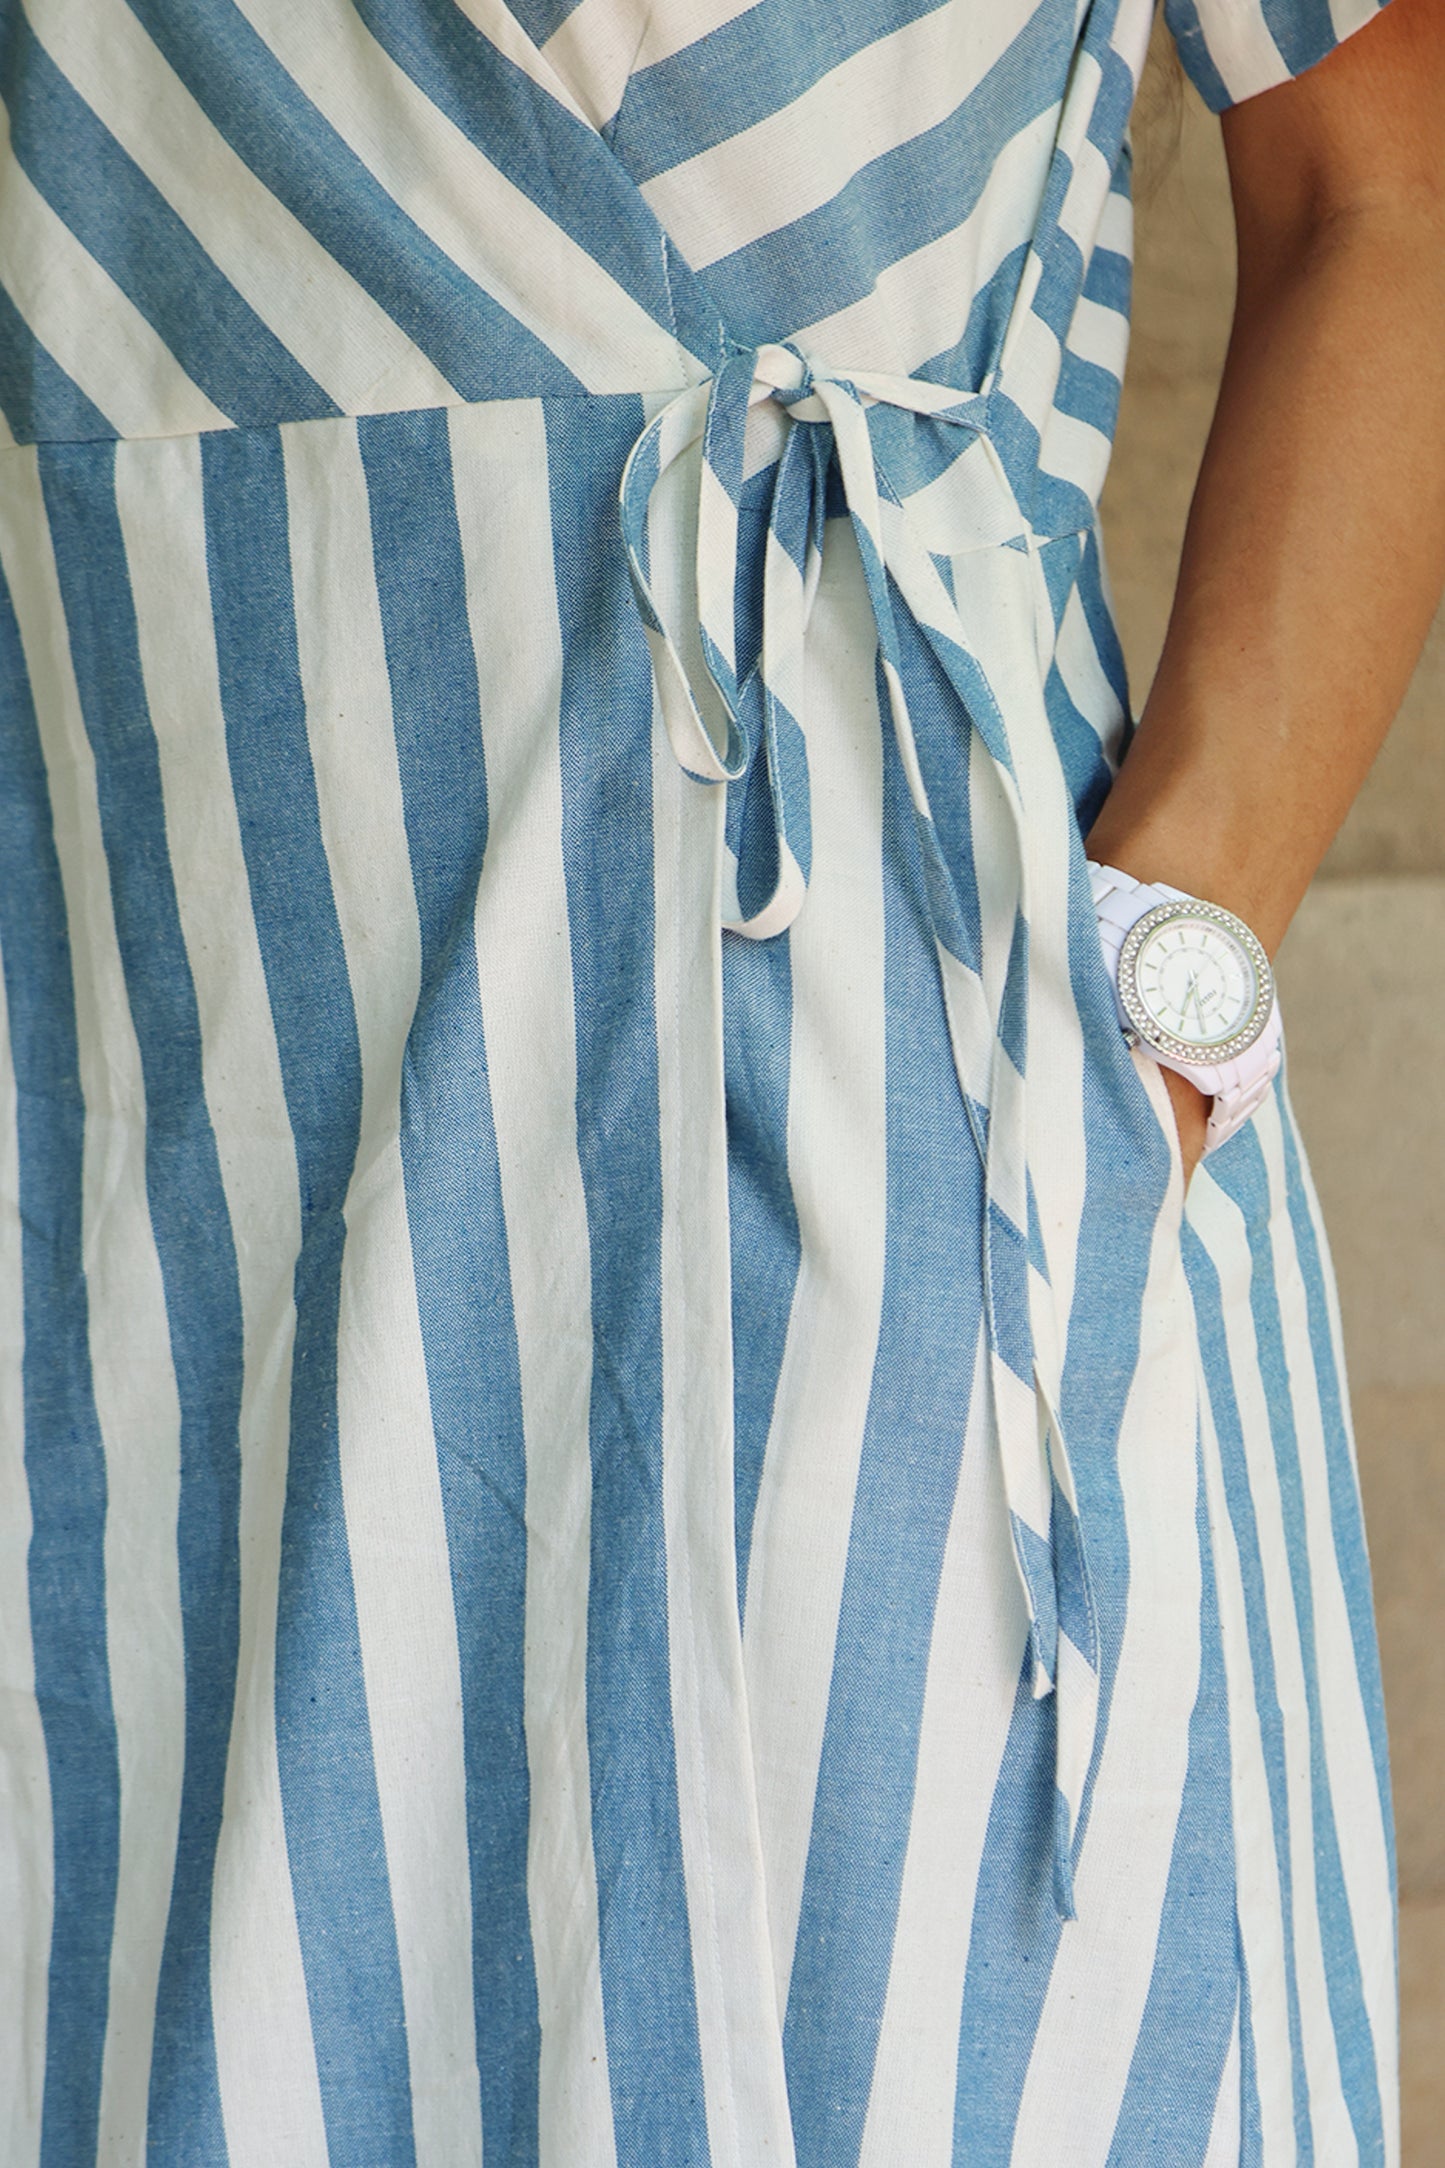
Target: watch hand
1194,994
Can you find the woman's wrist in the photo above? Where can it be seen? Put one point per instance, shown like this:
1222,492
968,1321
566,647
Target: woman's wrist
1174,859
1191,827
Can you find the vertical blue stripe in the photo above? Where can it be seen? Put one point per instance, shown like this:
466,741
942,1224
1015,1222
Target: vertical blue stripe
1081,751
153,257
943,731
64,1461
1245,1179
606,750
1184,2032
328,1782
1251,2135
1214,1348
907,1479
454,1201
1100,619
38,398
1346,1516
762,1215
193,1244
1013,1940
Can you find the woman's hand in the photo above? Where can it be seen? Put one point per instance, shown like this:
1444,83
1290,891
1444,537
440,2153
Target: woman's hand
1191,1116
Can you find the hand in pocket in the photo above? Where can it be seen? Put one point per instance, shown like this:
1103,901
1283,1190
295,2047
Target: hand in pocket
1191,1117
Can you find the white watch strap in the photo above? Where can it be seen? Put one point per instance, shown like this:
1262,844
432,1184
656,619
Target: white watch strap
1236,1101
1119,901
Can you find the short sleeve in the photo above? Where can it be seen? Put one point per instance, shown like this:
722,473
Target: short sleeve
1233,48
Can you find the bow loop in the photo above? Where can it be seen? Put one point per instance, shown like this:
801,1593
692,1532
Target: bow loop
663,523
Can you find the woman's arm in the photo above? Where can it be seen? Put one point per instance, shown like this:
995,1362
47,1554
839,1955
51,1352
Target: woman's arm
1315,550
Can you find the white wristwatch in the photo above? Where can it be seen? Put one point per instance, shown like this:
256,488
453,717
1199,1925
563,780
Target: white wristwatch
1194,991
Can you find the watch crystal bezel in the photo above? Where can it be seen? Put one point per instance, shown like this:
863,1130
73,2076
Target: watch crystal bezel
1210,1054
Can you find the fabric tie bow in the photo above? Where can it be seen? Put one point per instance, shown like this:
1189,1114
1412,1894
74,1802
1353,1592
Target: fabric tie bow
683,515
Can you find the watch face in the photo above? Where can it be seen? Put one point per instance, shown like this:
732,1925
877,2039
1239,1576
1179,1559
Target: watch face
1194,982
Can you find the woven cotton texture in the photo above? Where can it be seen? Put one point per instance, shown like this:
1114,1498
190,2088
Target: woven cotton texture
636,1530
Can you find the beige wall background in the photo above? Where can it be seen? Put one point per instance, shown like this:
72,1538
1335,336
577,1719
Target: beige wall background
1361,987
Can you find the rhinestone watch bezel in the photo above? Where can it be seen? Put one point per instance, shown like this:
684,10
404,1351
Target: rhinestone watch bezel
1211,1056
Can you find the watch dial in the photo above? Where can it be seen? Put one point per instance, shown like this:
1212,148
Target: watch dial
1195,981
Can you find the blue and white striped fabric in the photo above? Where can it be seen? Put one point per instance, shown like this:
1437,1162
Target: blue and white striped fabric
639,1532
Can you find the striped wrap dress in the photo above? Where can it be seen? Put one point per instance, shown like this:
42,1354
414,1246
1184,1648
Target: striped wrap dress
637,1530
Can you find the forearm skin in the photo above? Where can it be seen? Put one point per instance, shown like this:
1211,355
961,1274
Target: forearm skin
1312,564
